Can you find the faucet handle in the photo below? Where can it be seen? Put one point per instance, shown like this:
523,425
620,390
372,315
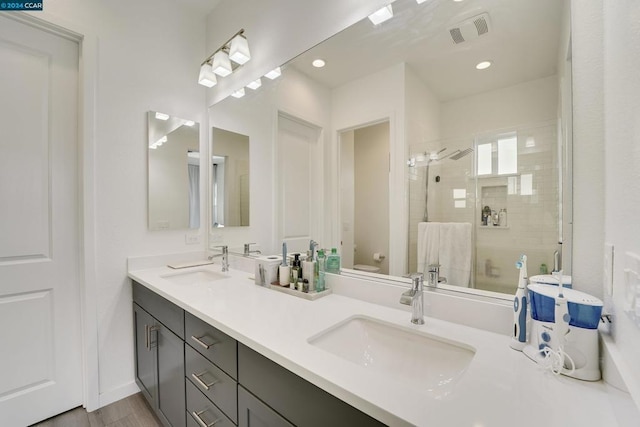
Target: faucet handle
417,280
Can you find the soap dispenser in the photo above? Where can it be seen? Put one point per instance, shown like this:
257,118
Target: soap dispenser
333,262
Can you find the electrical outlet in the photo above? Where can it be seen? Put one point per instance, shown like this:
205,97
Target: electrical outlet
192,239
608,269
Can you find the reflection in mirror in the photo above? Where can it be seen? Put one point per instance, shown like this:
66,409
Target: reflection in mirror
173,172
460,138
229,179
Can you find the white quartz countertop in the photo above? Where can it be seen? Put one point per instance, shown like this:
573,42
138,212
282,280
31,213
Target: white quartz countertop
501,387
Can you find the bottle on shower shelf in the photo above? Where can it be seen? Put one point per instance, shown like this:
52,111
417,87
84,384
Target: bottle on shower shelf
502,217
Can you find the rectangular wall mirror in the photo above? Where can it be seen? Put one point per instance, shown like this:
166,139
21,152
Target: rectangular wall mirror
451,139
230,192
173,172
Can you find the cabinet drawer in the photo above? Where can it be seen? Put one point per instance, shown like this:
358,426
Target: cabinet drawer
252,412
219,387
212,343
199,407
164,310
299,401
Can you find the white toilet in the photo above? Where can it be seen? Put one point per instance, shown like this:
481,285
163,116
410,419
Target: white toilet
366,268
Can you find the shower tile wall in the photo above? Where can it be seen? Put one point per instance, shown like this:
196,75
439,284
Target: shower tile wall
532,218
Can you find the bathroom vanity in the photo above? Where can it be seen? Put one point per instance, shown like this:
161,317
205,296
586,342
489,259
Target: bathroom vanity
215,346
224,381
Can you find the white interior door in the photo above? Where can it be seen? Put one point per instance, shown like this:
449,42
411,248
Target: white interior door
40,330
300,186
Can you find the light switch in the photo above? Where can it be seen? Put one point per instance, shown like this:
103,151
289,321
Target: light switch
192,239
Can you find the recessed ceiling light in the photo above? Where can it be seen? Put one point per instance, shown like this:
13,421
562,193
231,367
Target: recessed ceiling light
483,65
420,1
189,122
457,1
381,15
318,63
162,116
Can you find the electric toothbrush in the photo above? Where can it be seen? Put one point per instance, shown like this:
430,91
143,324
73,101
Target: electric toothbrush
519,339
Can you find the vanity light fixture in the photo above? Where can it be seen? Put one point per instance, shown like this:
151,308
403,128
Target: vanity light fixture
239,50
158,143
221,65
381,15
238,93
235,49
318,63
162,116
483,65
255,84
207,77
274,74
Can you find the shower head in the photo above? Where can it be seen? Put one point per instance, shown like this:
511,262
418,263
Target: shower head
460,154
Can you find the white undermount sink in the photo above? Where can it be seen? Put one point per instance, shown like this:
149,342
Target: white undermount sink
192,277
432,364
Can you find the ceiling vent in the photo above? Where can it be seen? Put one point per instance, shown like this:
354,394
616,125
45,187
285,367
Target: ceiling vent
470,29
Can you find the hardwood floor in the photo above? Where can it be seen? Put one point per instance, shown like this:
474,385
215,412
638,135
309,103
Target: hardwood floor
130,412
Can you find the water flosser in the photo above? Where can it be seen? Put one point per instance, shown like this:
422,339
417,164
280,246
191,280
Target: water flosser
561,316
519,339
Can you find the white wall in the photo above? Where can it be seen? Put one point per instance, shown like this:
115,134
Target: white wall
622,166
147,56
278,30
374,98
256,115
523,104
588,146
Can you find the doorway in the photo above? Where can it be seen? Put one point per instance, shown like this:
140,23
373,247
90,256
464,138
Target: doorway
364,197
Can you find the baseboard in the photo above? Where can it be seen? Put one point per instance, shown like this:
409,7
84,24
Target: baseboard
116,394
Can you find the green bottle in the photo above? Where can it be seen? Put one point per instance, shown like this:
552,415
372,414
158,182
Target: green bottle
333,262
321,265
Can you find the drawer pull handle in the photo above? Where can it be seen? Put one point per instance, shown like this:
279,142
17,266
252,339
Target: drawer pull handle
202,343
147,335
202,383
200,421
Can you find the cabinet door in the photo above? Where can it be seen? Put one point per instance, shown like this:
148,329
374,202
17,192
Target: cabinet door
145,357
253,413
171,391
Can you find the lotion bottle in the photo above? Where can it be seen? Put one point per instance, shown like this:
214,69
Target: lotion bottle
333,262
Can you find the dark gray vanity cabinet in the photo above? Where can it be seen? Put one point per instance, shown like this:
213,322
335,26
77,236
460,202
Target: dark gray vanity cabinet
294,398
193,374
159,358
253,412
211,372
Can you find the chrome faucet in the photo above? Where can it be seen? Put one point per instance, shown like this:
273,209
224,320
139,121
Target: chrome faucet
225,257
248,251
415,298
434,274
